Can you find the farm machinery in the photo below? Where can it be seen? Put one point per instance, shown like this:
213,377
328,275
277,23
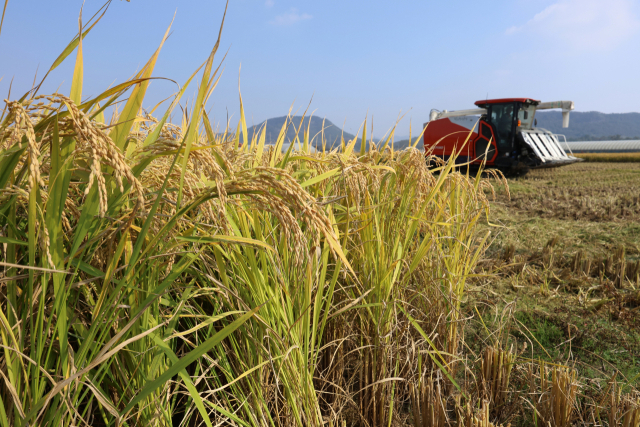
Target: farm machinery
501,133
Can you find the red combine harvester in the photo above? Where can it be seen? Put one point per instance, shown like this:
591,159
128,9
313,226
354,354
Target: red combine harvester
503,136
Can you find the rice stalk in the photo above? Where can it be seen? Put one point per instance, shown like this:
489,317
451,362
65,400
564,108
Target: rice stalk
428,407
624,410
496,367
557,401
469,419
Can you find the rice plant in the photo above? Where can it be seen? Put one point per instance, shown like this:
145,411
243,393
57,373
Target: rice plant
158,274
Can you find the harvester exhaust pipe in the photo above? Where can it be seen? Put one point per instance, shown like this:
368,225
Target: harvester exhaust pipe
566,107
565,119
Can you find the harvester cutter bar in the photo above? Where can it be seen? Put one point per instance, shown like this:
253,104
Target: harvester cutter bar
547,147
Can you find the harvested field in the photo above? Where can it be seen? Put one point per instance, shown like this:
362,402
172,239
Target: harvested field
585,192
563,273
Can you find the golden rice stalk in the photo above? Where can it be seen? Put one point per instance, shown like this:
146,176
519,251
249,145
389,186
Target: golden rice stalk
496,372
620,272
93,144
557,402
23,126
468,419
427,405
202,167
498,176
624,410
631,413
102,151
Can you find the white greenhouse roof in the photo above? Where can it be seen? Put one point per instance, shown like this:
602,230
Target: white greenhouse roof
602,146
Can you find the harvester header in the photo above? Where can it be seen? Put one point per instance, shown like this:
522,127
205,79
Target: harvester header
501,133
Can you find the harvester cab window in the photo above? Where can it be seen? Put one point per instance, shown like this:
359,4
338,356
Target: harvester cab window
526,114
502,117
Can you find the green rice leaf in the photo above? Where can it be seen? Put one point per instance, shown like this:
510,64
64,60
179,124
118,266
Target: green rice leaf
189,358
227,239
186,379
320,177
78,71
9,240
440,362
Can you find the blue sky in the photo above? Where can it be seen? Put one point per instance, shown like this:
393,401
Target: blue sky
356,58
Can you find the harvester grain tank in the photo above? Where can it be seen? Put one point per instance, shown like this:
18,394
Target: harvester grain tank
504,135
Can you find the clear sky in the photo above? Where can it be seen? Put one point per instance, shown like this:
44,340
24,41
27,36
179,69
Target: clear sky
355,57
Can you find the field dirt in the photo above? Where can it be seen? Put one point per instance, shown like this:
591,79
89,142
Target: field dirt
562,272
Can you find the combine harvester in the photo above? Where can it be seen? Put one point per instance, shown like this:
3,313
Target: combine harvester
503,137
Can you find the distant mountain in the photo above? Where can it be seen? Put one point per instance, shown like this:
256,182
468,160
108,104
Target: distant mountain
332,133
592,125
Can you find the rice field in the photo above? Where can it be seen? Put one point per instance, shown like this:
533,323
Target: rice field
563,271
609,157
163,274
590,192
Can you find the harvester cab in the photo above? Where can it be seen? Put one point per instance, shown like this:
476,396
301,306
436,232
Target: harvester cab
500,133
